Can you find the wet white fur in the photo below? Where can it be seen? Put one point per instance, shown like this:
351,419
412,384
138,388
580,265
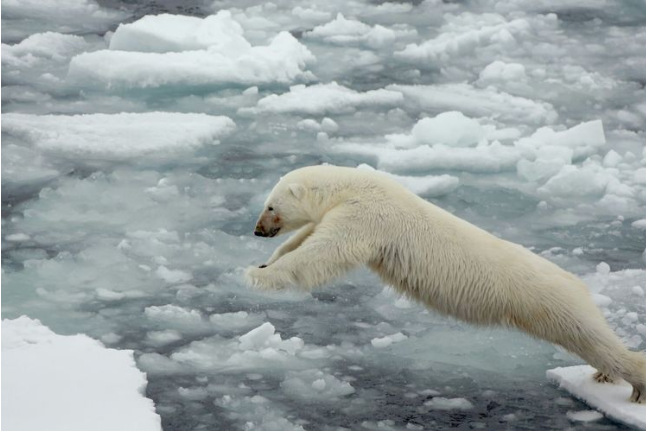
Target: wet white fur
349,217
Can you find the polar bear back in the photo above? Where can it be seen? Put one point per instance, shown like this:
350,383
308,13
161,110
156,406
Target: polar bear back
435,257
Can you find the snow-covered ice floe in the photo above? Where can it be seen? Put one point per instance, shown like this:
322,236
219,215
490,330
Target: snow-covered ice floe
165,50
611,399
71,383
118,136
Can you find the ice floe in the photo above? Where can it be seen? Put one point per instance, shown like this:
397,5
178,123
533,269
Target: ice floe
154,58
72,382
156,135
320,99
611,399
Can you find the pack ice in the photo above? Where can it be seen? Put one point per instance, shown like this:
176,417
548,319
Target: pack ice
141,139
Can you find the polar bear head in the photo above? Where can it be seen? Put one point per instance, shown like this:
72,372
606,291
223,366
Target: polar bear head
286,209
304,196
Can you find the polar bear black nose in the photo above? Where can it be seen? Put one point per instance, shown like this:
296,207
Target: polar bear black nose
258,232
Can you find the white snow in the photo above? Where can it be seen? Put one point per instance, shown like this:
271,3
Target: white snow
189,51
118,136
69,383
611,399
322,99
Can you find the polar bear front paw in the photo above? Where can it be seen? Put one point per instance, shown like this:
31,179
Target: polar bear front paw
266,278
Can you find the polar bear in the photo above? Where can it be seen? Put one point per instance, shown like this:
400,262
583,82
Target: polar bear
347,217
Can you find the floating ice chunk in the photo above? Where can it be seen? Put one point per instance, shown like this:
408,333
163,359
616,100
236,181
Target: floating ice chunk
174,315
584,415
601,300
262,336
466,33
450,128
64,371
441,403
175,33
172,275
59,15
603,268
17,237
161,338
320,99
194,52
612,400
257,412
193,394
549,161
501,71
237,320
311,14
49,45
639,176
589,180
612,159
386,341
315,385
260,348
343,31
109,295
487,158
327,125
429,185
487,102
157,135
583,139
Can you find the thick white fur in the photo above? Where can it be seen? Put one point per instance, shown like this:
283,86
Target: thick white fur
349,217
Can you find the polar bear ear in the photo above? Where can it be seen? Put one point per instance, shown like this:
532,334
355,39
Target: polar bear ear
297,190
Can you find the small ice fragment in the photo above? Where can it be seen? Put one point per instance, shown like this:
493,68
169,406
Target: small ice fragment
386,341
172,275
17,237
637,290
441,403
631,317
639,224
429,392
584,415
259,337
161,338
603,268
641,328
601,300
318,384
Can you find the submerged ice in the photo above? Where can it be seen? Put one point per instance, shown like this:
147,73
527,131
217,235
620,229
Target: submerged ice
140,142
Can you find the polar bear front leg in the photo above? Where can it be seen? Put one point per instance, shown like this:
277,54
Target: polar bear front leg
317,261
292,243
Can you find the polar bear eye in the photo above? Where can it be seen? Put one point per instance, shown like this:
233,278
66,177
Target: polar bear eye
270,208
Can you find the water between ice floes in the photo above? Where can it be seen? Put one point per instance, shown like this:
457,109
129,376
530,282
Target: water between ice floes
133,222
